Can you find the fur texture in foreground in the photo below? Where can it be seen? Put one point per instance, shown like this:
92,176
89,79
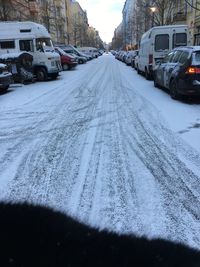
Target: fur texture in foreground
37,236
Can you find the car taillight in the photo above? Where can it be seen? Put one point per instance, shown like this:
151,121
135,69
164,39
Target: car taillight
150,59
193,70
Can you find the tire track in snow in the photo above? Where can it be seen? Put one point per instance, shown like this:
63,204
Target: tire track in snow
171,173
48,153
105,147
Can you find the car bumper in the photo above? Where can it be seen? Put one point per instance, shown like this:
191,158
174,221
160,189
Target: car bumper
190,87
5,80
73,64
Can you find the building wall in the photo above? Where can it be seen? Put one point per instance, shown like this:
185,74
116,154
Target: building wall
65,20
128,24
79,24
14,10
52,13
185,14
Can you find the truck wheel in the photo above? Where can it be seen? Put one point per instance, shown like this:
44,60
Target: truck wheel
41,74
173,90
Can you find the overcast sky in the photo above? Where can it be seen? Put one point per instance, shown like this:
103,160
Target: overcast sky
103,15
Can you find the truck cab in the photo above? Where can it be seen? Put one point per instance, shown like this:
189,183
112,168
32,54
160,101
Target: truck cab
33,38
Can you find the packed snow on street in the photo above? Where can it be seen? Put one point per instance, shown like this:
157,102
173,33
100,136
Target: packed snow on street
102,144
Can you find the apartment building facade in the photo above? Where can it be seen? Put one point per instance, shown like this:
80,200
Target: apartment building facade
65,20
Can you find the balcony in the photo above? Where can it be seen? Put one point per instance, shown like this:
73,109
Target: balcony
179,16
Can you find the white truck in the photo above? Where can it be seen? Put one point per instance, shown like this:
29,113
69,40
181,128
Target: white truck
33,38
157,42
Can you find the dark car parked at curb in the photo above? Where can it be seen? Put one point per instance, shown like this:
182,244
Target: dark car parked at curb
179,72
5,77
133,59
67,61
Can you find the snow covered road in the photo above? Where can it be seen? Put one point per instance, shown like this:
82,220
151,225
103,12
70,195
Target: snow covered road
91,144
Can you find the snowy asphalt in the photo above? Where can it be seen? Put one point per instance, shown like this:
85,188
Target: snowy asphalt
90,145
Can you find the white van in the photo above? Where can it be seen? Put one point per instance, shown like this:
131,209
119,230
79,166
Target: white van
157,42
93,51
34,38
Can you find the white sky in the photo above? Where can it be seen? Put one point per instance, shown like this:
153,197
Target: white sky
104,16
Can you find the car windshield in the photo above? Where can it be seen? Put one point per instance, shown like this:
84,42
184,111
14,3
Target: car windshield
44,44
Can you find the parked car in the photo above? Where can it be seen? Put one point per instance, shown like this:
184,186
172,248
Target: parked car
129,56
123,58
67,61
179,72
5,77
133,58
120,55
70,49
136,63
80,59
93,51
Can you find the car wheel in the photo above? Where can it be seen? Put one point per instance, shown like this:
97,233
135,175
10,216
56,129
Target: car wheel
54,76
173,90
41,74
155,83
4,88
147,75
65,67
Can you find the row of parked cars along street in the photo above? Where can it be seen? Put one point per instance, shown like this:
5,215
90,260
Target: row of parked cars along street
27,54
167,57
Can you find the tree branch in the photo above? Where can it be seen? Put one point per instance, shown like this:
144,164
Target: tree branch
192,5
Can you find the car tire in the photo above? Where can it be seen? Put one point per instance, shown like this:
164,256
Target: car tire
155,83
54,76
147,75
65,67
41,74
173,90
4,88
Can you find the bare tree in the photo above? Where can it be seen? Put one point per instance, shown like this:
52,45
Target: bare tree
163,12
5,9
191,4
47,9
